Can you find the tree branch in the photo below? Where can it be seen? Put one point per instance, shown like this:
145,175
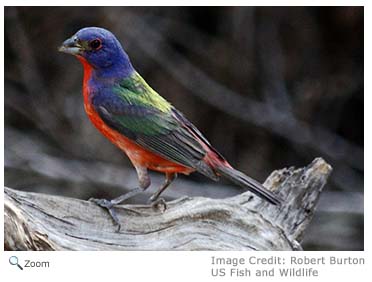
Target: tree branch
44,222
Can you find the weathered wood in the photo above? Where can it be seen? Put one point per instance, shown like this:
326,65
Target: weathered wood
244,222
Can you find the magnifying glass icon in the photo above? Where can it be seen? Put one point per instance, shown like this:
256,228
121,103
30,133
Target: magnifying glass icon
13,260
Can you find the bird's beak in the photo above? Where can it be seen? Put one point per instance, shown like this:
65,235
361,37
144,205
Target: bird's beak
71,46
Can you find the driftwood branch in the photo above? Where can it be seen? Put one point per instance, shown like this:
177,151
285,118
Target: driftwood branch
244,222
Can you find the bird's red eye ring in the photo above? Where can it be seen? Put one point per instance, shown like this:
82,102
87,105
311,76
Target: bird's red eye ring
95,44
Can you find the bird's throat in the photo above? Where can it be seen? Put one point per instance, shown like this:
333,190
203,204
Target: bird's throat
87,75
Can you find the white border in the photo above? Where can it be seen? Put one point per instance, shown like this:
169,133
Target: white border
181,266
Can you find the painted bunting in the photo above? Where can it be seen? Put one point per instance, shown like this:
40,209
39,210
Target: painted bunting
133,116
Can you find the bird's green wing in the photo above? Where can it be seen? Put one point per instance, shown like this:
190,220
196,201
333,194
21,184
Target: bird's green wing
151,122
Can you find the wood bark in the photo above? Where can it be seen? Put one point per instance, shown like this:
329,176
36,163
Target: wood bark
243,222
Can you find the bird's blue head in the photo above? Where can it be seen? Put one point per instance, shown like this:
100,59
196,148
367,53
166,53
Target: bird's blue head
101,50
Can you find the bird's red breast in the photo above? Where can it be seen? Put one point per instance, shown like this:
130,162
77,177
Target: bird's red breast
137,154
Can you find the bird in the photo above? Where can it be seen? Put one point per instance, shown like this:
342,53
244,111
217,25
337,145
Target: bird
144,125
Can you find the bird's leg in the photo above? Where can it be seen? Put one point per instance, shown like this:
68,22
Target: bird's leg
154,199
144,183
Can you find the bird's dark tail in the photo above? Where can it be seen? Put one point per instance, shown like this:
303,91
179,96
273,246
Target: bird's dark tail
246,182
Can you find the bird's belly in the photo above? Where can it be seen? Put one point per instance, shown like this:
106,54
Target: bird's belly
138,155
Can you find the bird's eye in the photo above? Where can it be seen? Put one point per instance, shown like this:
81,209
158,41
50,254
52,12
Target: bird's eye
95,44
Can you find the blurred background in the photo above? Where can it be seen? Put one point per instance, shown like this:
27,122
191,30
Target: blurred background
269,87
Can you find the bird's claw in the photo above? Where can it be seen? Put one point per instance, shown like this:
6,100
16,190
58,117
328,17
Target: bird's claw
107,204
104,203
159,204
